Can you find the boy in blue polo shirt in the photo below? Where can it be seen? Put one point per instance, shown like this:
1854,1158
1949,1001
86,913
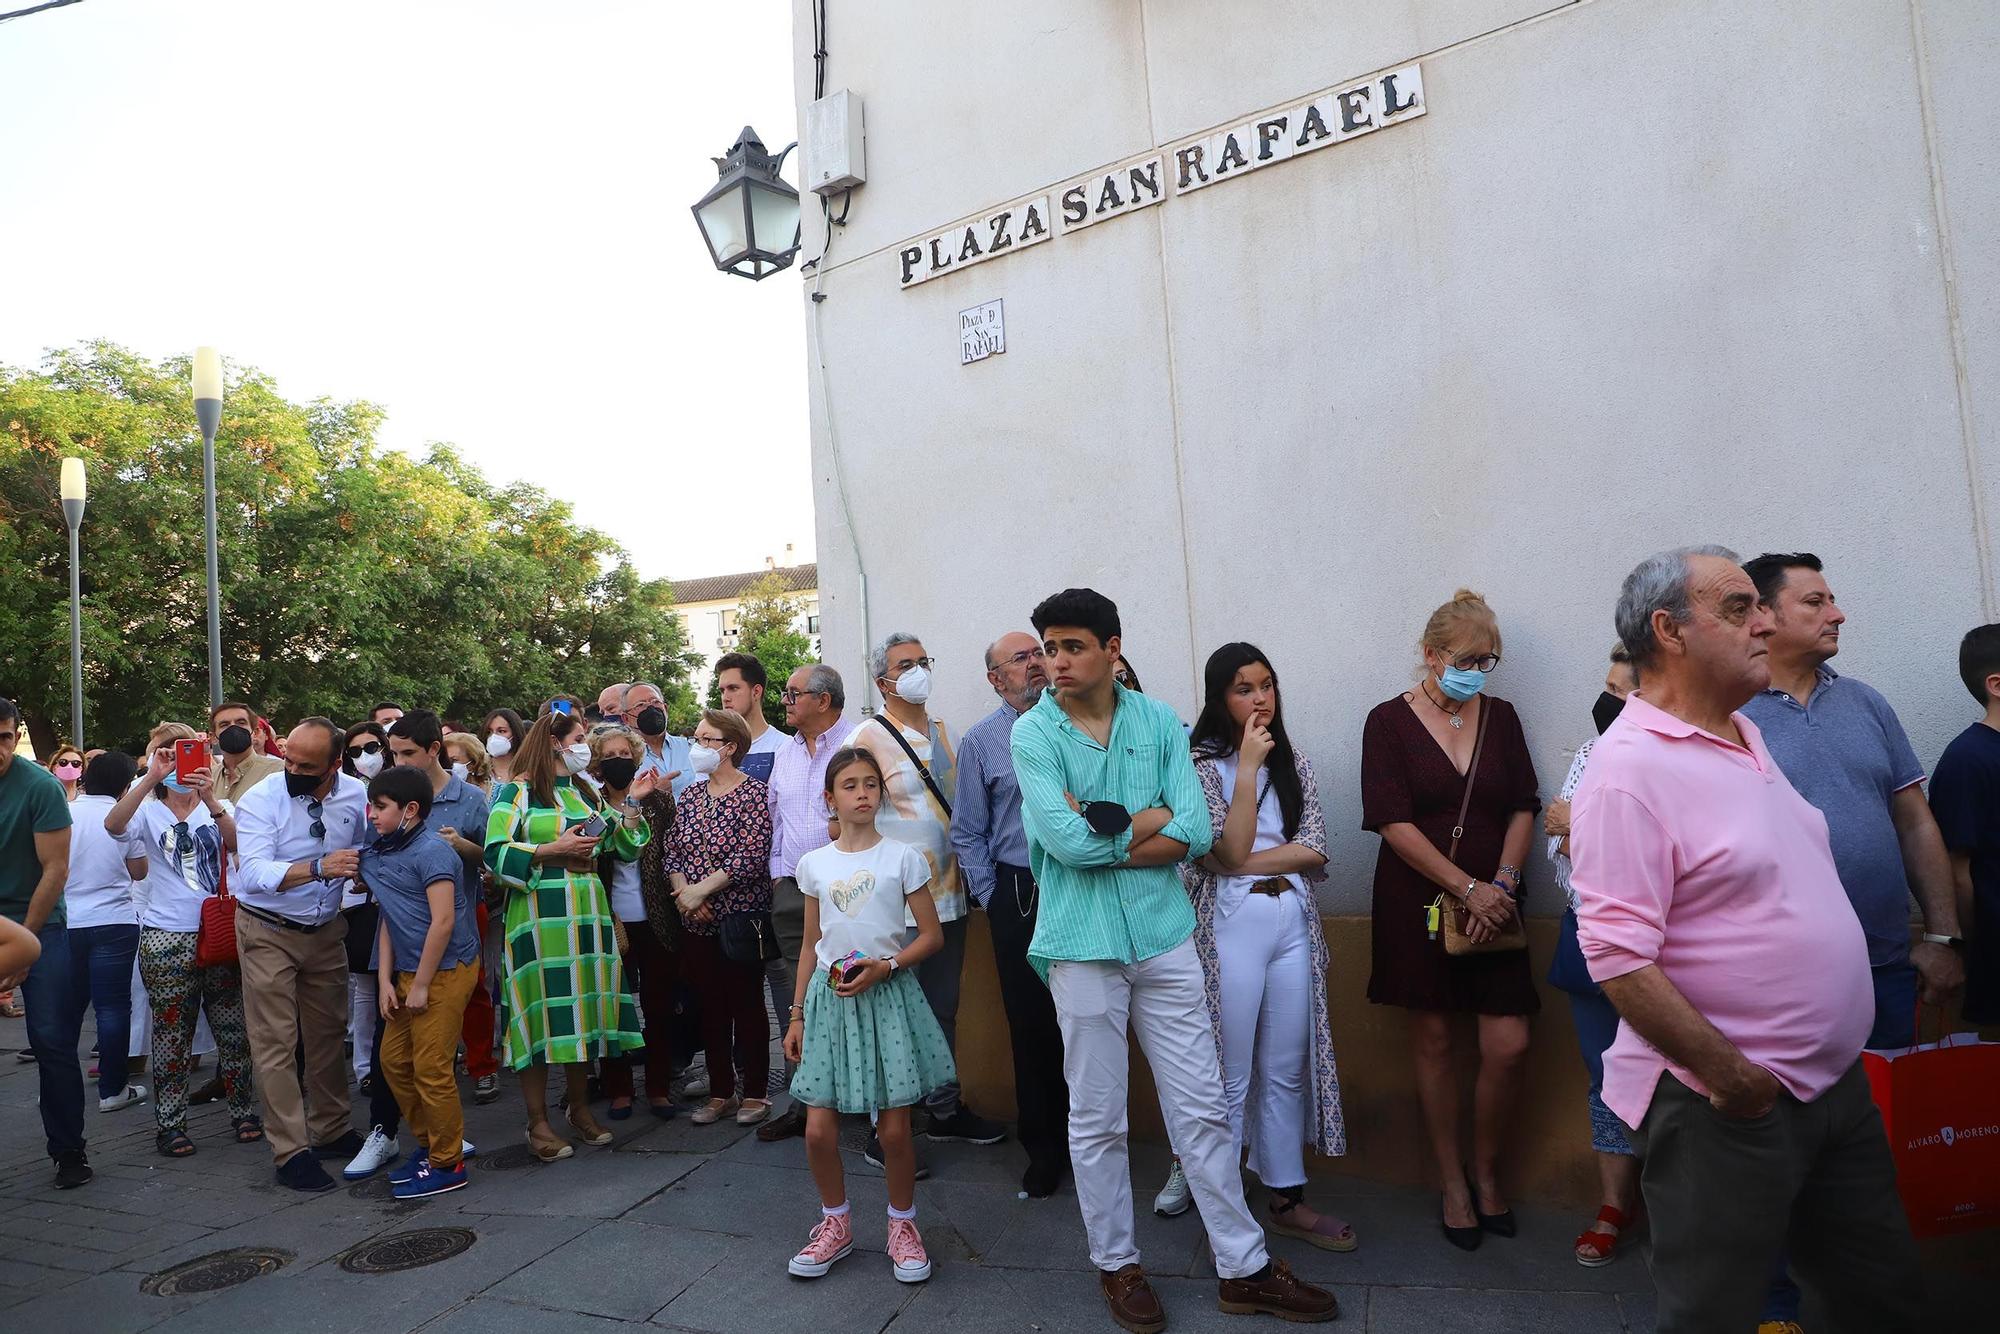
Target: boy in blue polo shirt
428,960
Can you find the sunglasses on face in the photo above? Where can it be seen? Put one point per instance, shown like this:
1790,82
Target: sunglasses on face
365,748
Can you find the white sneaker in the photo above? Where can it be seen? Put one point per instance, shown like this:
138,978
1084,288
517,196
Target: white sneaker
377,1152
125,1097
1174,1198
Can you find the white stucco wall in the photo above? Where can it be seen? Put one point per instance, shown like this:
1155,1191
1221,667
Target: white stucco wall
1642,275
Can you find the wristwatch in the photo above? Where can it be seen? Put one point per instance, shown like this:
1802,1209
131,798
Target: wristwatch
893,965
1465,895
1956,943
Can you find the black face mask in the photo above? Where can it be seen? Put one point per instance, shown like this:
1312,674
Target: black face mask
1605,712
303,785
652,720
234,739
617,771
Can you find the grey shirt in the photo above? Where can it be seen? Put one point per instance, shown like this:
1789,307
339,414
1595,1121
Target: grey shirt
1846,753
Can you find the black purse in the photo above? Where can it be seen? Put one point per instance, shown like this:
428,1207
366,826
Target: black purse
749,937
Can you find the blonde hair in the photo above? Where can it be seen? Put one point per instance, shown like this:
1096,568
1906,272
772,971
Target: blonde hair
478,765
734,730
1466,614
168,732
604,732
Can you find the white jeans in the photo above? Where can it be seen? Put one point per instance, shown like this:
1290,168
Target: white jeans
1265,961
1162,999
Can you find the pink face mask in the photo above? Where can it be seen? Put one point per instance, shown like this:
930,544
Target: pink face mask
69,771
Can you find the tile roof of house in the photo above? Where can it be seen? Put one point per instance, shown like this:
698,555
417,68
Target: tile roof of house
717,587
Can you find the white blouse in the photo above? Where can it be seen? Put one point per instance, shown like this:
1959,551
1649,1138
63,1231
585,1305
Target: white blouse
1557,857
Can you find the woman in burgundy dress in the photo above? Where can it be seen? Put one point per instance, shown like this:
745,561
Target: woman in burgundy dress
1415,751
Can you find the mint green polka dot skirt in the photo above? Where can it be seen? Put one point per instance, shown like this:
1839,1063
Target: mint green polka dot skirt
870,1052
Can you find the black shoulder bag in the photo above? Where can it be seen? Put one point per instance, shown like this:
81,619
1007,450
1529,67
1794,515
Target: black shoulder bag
910,751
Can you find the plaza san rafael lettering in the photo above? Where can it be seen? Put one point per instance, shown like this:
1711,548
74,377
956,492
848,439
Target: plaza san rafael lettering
1332,117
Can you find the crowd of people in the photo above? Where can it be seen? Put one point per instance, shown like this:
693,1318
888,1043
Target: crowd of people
1737,850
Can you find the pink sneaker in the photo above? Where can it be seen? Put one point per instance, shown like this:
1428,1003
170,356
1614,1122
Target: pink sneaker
830,1242
906,1252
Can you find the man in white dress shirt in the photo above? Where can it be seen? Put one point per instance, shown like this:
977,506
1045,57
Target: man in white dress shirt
666,755
298,836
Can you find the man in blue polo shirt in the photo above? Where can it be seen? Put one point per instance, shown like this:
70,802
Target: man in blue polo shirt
1841,746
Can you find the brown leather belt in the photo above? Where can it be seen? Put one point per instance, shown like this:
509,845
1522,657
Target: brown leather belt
1274,885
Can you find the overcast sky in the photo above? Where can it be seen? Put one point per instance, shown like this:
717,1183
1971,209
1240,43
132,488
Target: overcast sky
473,212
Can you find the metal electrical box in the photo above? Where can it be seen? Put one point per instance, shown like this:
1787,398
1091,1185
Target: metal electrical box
834,159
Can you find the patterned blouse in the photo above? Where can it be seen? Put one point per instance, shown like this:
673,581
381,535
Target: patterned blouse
1326,1127
729,833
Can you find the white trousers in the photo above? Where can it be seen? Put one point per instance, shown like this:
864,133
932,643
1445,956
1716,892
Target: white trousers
1264,959
1162,1000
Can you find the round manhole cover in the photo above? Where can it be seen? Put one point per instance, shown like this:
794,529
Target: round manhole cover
507,1159
407,1250
212,1273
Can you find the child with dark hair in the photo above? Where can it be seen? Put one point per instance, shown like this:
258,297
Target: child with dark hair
1965,796
427,960
861,1031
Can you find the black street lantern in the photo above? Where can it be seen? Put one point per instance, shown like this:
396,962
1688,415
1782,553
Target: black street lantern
751,218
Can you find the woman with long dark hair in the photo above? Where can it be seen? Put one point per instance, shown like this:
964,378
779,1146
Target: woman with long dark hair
1263,956
503,732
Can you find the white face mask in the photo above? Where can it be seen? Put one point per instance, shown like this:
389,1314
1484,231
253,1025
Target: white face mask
914,685
497,745
576,757
703,760
461,771
368,765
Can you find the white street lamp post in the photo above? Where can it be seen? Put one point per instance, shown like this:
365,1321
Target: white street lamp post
208,414
72,507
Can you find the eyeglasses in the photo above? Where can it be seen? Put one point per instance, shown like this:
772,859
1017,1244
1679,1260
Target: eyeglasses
365,748
317,809
1484,662
899,668
1021,659
794,696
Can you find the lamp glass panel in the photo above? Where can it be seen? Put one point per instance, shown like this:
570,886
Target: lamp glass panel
722,222
774,219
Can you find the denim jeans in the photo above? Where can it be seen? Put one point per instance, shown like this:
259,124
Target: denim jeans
101,974
55,1026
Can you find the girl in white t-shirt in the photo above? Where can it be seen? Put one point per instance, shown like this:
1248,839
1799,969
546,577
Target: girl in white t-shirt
861,1031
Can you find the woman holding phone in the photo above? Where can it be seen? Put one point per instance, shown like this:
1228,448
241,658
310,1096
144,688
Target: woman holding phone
719,864
563,990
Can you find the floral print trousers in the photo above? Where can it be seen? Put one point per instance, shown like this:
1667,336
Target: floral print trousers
177,992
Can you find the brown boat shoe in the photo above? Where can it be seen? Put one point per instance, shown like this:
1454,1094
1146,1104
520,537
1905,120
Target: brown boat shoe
1278,1293
1133,1305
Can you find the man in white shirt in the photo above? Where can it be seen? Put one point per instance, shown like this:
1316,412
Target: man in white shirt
299,836
646,709
741,681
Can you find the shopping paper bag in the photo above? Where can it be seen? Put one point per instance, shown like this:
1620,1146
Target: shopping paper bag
1940,1103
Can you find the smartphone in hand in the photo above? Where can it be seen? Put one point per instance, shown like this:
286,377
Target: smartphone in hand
191,757
594,827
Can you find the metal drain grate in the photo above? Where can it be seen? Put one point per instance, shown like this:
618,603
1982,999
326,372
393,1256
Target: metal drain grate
407,1250
508,1159
214,1272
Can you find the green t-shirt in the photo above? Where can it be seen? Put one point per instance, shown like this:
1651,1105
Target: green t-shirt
31,802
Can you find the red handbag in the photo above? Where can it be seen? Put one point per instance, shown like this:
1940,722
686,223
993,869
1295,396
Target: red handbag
215,942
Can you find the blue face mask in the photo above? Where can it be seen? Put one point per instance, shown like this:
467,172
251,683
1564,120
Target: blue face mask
174,784
1460,683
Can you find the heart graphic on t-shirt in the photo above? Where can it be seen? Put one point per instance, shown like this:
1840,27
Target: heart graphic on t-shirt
851,893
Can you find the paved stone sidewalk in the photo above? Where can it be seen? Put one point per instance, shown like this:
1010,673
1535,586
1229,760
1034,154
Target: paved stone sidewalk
689,1227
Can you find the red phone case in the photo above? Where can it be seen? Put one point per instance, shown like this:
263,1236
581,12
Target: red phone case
190,758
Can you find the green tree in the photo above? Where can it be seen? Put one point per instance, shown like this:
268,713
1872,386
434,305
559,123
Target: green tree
349,573
766,624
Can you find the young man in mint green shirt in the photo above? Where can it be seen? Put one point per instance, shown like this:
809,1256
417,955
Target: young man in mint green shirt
1111,804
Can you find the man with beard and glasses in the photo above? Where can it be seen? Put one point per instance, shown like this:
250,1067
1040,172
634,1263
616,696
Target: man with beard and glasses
645,708
299,836
992,849
238,765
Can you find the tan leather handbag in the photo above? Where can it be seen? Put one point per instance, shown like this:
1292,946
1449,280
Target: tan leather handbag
1455,915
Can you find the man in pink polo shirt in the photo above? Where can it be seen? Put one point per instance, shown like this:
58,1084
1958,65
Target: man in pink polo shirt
1710,911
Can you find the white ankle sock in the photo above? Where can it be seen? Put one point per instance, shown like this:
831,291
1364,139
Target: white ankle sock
840,1212
904,1214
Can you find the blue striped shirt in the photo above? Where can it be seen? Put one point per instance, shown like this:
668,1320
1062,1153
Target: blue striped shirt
1094,908
986,804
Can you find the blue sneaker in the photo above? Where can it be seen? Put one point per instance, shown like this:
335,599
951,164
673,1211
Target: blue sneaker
429,1181
407,1170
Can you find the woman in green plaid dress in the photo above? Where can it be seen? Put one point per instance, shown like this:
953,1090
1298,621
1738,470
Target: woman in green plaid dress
564,1000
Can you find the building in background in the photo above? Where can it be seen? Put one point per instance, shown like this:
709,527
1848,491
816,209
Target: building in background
707,607
1280,321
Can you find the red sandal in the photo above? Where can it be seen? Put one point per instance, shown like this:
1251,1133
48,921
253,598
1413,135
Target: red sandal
1594,1248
